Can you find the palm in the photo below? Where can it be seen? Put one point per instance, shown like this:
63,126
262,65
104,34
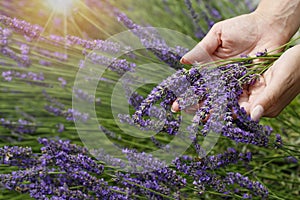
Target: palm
242,35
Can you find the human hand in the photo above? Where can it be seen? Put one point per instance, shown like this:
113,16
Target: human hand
243,35
276,88
273,91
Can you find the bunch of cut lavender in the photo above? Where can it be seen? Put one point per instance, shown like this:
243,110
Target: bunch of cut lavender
216,90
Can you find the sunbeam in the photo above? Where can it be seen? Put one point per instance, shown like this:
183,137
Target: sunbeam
61,6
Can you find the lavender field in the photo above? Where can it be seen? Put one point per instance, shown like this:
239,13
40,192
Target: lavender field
86,89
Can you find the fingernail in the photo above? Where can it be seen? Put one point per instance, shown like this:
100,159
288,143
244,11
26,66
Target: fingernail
173,111
257,113
184,61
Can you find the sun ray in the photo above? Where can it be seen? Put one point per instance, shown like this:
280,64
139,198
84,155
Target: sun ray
61,6
65,29
94,24
44,28
76,26
89,20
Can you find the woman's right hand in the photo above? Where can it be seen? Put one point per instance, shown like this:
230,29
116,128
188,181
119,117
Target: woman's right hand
271,25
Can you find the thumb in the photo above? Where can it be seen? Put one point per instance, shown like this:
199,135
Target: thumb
202,52
257,112
266,96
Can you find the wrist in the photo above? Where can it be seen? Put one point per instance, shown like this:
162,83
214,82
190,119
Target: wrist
280,17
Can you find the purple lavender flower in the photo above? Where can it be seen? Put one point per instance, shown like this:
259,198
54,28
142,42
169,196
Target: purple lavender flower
70,114
62,57
61,171
58,109
142,160
21,126
61,145
250,5
199,32
25,49
52,100
256,187
5,35
231,156
73,114
120,66
153,185
218,89
60,127
291,159
153,42
101,155
29,76
109,133
22,60
262,54
278,141
62,81
17,156
80,94
99,45
22,27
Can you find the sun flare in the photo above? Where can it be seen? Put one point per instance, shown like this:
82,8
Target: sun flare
61,6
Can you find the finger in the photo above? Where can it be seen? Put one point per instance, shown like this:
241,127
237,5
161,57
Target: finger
266,90
203,51
243,100
190,110
175,107
193,109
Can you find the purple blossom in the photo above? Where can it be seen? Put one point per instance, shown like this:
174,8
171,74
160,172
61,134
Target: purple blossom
29,76
143,161
70,114
165,182
83,95
99,45
61,145
62,171
262,54
231,156
154,42
278,141
101,155
120,66
45,63
53,100
17,156
291,159
250,5
21,126
22,60
60,127
218,89
62,81
25,49
62,57
21,27
254,186
199,32
109,133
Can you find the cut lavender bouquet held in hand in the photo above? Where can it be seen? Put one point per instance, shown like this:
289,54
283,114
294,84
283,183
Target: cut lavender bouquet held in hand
215,90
